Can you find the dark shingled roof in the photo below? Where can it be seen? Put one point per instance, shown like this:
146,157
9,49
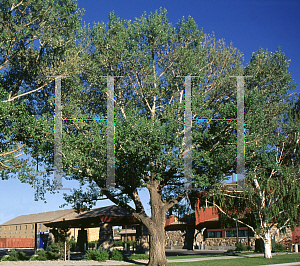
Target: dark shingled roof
93,218
110,211
38,217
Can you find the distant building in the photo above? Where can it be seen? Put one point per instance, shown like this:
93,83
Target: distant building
23,226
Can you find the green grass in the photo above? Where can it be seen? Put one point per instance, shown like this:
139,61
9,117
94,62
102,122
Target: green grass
195,256
244,261
286,258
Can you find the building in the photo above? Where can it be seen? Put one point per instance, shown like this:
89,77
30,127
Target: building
24,226
22,230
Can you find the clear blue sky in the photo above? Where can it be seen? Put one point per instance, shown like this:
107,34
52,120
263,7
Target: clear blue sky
249,25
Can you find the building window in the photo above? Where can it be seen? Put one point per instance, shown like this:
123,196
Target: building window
40,226
230,233
25,232
20,227
242,233
26,227
16,227
214,234
32,226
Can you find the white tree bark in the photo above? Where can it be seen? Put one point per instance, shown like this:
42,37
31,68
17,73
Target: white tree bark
268,247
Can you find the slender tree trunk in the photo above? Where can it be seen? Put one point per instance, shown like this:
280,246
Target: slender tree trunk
267,242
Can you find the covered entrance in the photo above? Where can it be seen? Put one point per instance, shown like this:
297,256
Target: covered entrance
105,218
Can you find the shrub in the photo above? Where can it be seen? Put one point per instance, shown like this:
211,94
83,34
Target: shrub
279,247
139,257
131,242
40,255
118,243
55,251
241,247
14,256
99,255
22,256
116,255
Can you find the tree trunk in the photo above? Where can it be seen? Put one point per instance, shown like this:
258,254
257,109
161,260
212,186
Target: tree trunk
156,228
157,255
267,242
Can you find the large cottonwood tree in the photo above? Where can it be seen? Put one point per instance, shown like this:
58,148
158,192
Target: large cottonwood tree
153,57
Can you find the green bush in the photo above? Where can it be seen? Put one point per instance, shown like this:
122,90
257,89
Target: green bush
55,251
22,256
131,243
99,255
13,255
138,257
116,255
240,247
41,255
279,247
118,243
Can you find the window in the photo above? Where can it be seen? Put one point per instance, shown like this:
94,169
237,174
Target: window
16,227
230,233
20,227
32,226
214,234
26,227
242,233
40,226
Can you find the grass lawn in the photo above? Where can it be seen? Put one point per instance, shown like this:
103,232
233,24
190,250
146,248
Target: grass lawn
244,261
286,258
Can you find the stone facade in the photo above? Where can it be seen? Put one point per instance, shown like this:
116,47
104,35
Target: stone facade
228,241
283,238
175,238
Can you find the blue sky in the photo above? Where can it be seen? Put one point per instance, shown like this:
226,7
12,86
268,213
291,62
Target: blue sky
249,25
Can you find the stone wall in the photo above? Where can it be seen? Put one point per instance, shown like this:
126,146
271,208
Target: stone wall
283,238
228,241
175,238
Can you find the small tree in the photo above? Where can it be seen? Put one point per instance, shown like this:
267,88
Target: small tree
271,197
